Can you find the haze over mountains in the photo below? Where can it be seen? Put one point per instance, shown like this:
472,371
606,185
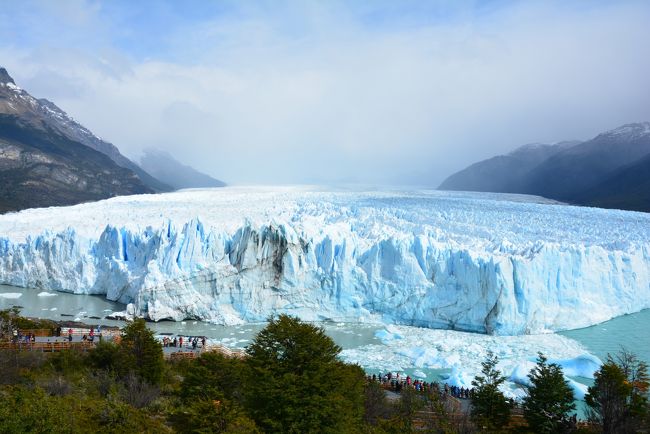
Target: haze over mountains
166,168
612,170
48,159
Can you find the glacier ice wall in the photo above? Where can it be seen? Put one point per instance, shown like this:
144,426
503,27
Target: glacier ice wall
348,260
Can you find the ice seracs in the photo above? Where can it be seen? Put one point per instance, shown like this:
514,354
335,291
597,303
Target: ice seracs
490,263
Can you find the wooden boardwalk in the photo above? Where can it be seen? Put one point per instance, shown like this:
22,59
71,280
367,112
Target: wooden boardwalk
46,347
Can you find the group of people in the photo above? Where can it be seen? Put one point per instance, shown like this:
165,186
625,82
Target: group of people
397,383
178,342
20,338
90,337
86,337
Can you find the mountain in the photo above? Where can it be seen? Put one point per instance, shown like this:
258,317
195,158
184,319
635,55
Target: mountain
628,188
41,112
566,175
608,170
164,167
46,159
503,173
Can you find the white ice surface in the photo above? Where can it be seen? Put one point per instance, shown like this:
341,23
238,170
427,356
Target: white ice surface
10,295
500,264
462,353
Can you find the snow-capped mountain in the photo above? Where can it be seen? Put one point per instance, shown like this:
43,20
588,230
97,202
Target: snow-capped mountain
47,158
578,173
492,263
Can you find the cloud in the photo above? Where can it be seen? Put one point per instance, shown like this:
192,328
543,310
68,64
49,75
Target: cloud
315,91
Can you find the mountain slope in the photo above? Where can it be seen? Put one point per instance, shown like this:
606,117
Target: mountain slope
503,173
164,167
628,188
567,174
41,165
611,170
40,112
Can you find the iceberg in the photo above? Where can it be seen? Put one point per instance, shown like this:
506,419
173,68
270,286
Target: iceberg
487,263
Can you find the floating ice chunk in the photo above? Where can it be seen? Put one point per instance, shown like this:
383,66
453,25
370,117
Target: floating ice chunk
582,366
520,373
10,295
579,389
459,379
419,374
385,336
122,315
46,294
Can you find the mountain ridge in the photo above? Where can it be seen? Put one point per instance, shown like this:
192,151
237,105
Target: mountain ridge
47,158
20,102
169,170
574,172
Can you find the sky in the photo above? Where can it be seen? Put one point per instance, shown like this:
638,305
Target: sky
373,92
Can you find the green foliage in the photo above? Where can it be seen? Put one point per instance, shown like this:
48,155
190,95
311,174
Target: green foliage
376,406
69,361
10,319
32,410
141,353
212,416
406,407
296,384
618,399
213,377
549,400
490,408
107,355
23,410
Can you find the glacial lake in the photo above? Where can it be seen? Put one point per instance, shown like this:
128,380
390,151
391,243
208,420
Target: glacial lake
374,346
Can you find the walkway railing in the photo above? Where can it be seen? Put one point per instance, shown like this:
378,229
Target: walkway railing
46,347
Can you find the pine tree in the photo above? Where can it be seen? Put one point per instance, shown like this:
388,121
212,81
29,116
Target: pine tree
141,352
490,407
296,383
549,400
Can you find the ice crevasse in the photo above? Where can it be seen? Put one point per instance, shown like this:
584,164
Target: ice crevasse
495,264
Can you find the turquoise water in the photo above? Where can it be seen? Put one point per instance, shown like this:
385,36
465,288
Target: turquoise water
628,331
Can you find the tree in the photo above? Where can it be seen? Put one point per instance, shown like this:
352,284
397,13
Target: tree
549,400
213,376
296,384
212,416
618,398
490,407
376,406
141,352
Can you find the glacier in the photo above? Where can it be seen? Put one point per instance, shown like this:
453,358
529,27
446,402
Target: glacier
479,262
